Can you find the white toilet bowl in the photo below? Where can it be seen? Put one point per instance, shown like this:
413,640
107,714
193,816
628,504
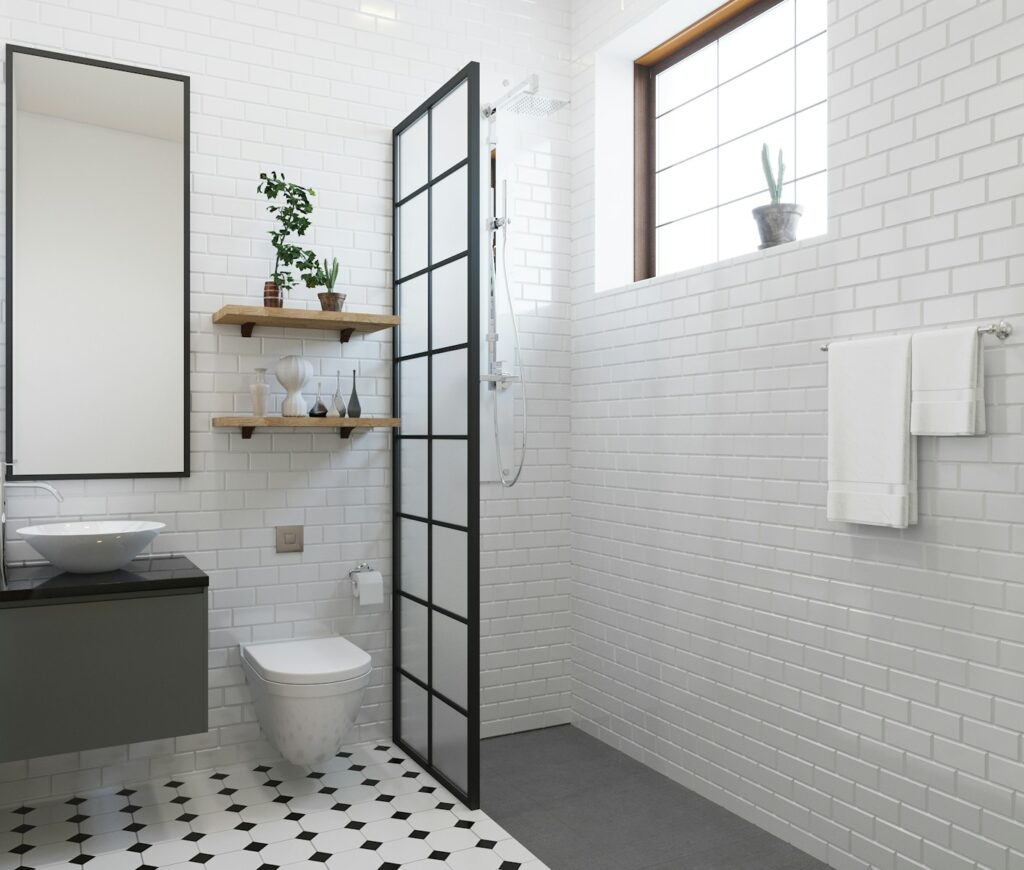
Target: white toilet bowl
307,693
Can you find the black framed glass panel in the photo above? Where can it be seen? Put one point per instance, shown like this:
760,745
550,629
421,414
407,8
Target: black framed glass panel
437,218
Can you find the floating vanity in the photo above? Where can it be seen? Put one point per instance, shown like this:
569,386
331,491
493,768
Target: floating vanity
91,660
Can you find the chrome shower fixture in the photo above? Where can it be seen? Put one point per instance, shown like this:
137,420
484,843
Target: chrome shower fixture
525,99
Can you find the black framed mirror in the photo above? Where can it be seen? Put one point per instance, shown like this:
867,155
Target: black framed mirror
97,268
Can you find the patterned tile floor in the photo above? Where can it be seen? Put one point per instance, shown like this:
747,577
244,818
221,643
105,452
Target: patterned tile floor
370,808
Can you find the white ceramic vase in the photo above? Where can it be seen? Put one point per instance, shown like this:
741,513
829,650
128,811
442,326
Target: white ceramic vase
293,372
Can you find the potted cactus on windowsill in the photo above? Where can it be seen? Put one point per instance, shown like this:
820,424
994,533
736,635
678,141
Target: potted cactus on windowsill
777,221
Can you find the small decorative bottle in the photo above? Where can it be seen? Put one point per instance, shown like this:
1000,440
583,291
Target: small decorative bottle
259,390
337,402
319,409
354,408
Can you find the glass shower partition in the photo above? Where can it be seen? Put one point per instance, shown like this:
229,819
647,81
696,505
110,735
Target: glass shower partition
437,221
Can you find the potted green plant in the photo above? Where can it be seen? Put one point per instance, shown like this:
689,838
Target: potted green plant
777,221
325,275
290,205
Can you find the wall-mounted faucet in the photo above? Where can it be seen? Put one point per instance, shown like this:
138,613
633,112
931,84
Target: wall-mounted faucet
4,486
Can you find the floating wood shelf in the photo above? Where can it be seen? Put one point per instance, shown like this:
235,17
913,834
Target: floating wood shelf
346,322
344,425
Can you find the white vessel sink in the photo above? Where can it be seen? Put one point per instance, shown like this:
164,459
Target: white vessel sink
89,548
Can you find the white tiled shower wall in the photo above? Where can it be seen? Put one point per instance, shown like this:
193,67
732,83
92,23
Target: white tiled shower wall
857,691
314,89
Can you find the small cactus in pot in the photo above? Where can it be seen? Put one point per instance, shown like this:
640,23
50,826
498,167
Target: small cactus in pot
776,222
326,275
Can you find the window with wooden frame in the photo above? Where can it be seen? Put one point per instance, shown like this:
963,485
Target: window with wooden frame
749,73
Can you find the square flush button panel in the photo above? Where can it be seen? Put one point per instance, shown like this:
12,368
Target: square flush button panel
289,539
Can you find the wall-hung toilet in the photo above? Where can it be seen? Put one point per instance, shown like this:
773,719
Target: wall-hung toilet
307,693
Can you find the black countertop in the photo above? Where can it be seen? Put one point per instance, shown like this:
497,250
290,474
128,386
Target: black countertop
45,583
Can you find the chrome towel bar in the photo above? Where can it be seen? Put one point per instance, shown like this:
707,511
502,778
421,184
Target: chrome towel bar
1001,330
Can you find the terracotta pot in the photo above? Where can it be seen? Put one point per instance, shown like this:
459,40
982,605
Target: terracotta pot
777,223
271,295
331,301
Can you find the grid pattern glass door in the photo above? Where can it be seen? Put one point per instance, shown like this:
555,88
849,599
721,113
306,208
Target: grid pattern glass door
436,498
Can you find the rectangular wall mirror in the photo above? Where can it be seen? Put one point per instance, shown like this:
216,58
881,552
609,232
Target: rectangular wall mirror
97,268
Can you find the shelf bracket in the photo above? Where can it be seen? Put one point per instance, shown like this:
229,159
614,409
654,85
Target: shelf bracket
345,432
346,334
247,330
247,432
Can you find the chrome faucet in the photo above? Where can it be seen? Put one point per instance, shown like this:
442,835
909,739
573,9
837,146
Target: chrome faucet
4,486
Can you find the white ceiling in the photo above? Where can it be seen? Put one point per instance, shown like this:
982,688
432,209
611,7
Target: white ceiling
138,103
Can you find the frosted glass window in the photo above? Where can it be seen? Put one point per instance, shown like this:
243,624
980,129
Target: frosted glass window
414,477
451,481
451,743
762,82
688,187
413,396
414,715
450,299
450,658
414,638
811,18
691,77
737,231
811,89
412,235
759,39
743,157
448,133
448,224
450,392
414,557
688,130
684,244
811,141
450,564
812,192
412,300
756,98
412,158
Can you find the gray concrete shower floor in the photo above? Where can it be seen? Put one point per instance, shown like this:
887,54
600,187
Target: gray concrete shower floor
578,804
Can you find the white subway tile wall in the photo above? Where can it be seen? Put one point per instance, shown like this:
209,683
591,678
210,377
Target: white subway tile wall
314,89
858,692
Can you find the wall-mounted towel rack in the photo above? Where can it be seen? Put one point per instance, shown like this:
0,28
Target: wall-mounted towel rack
1001,330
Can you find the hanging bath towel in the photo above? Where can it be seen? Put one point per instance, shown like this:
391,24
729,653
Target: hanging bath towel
872,457
948,382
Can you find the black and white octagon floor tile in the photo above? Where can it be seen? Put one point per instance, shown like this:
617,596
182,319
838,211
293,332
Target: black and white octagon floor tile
370,808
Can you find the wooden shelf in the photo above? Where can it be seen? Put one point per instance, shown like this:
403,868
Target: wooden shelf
344,425
346,322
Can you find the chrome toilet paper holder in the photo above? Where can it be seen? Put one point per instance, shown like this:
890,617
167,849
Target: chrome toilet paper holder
361,568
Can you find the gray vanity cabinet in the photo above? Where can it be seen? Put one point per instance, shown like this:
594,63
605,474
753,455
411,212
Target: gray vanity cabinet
101,670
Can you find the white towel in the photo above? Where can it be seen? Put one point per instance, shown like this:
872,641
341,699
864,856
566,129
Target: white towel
872,457
948,382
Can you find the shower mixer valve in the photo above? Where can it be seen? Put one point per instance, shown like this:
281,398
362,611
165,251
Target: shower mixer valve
498,378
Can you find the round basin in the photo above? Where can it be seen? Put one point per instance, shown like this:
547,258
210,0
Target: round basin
89,548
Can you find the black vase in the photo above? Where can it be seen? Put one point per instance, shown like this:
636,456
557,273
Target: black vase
319,409
354,408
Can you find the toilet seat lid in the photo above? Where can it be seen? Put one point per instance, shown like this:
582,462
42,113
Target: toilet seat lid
306,661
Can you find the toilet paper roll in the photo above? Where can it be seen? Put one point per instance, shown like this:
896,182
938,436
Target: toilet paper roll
368,586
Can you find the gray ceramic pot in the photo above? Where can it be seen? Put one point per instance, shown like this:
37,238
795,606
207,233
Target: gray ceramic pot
777,223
